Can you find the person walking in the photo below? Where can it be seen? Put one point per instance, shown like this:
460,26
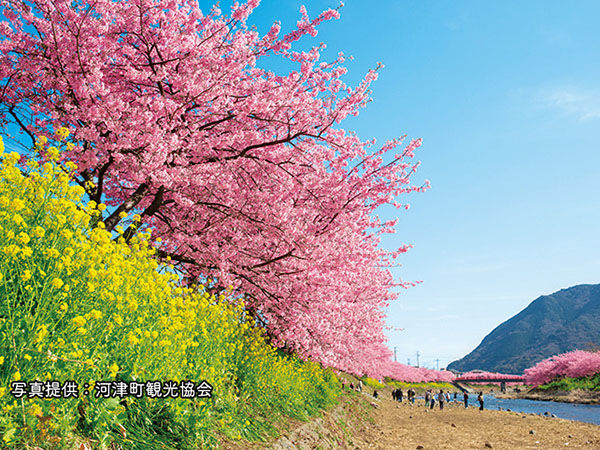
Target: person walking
480,400
432,400
400,395
427,398
466,399
441,398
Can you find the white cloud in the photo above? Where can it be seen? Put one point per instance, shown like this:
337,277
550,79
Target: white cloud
581,103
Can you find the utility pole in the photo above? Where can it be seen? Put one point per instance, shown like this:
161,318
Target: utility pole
437,364
417,358
395,353
408,361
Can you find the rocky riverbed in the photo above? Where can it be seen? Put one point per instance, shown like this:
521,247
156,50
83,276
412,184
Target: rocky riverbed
365,423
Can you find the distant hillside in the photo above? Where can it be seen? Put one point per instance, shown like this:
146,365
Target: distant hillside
566,320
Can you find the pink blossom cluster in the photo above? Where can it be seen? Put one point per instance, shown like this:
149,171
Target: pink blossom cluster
573,364
410,374
477,375
244,173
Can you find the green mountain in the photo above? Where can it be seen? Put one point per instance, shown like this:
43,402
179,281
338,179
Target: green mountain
566,320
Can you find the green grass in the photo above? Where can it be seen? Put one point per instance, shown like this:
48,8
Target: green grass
571,384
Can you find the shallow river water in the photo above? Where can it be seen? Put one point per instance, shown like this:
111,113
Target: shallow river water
571,411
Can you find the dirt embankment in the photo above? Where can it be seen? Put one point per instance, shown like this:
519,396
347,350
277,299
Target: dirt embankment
364,423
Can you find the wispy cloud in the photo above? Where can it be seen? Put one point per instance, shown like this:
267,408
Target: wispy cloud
581,103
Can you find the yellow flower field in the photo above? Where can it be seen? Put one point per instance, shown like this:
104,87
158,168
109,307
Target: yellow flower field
79,304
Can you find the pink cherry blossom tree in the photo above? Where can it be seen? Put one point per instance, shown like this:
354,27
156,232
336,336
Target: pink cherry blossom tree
410,374
478,375
245,174
575,364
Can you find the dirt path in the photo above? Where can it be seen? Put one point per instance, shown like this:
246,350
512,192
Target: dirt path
400,426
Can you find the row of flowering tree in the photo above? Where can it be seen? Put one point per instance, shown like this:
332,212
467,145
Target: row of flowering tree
573,364
244,173
482,375
411,374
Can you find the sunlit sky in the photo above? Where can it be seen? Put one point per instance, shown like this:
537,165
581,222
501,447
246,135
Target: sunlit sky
506,96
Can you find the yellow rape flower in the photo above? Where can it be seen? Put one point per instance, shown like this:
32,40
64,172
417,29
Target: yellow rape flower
53,153
113,370
18,204
63,132
79,321
67,234
41,333
57,283
36,410
26,275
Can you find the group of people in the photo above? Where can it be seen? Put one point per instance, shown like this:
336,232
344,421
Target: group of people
442,397
431,398
398,395
358,387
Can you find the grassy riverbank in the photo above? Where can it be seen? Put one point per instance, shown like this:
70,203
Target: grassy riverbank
573,384
584,390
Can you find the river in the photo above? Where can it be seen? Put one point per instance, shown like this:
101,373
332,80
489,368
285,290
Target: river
571,411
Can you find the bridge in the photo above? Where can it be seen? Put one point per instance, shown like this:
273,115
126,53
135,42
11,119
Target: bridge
457,382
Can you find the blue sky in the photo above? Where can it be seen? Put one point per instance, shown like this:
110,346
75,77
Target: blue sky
507,100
